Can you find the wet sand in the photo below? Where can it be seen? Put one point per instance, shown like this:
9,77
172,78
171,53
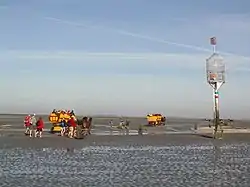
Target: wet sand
146,140
176,160
178,131
168,156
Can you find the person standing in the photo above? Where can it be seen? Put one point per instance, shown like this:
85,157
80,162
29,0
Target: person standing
111,123
39,128
72,127
140,130
63,127
33,123
27,125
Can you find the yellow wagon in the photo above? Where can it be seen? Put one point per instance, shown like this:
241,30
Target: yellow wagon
156,119
56,118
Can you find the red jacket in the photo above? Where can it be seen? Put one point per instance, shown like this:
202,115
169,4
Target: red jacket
27,120
72,123
40,124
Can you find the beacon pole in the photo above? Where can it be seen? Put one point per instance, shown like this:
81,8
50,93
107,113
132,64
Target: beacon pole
216,97
216,114
216,108
216,78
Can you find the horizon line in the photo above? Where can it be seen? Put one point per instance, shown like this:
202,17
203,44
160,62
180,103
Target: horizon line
120,116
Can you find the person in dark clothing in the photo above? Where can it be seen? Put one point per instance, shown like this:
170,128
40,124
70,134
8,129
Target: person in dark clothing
72,113
140,130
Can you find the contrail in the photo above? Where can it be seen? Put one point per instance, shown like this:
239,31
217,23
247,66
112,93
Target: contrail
123,32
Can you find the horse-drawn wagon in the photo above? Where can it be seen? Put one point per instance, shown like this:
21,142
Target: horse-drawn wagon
156,119
83,128
56,117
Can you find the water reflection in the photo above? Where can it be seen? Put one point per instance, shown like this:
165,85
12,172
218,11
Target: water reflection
193,165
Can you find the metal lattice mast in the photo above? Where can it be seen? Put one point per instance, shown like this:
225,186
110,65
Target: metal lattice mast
215,70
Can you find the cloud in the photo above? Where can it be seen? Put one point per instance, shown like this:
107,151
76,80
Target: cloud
136,35
162,60
223,22
131,93
238,22
231,31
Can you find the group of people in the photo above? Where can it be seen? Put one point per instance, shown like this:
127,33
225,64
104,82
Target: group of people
122,124
68,127
76,128
68,112
33,126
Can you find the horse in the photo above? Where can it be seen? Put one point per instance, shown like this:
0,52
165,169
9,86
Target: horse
87,124
83,127
127,123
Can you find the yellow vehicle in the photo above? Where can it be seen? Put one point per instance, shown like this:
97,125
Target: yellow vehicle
56,118
156,119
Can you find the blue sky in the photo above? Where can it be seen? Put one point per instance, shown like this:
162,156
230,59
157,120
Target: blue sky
124,57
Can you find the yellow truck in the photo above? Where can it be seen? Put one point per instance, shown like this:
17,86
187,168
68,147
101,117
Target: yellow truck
156,119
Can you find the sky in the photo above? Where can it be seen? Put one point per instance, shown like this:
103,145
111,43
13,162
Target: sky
123,57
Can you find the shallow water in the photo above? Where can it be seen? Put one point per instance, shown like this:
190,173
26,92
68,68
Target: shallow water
192,165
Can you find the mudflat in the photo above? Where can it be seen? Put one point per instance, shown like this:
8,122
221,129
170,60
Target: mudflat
174,155
178,131
119,140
